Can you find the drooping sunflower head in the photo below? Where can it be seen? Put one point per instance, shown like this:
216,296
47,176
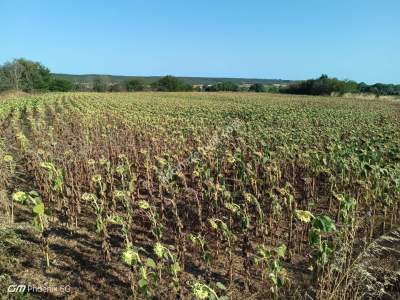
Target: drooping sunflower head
96,178
20,196
8,158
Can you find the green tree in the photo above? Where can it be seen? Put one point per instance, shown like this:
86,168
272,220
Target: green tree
226,86
324,85
134,85
171,84
61,85
257,88
24,75
99,85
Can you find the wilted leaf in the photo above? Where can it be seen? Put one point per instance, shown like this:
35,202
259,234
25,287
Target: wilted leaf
151,263
281,250
324,223
38,209
220,286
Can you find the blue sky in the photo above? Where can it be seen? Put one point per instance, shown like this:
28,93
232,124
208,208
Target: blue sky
288,39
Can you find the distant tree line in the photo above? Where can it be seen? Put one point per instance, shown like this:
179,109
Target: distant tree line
223,87
165,84
325,85
28,76
380,89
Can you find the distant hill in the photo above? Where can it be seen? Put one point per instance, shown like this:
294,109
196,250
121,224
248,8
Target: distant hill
86,78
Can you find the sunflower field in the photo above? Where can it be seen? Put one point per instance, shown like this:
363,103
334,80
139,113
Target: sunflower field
195,195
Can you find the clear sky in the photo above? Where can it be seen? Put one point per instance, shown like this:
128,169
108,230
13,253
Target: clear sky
288,39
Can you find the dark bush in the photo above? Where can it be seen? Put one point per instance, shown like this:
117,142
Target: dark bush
321,86
223,87
257,88
134,85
